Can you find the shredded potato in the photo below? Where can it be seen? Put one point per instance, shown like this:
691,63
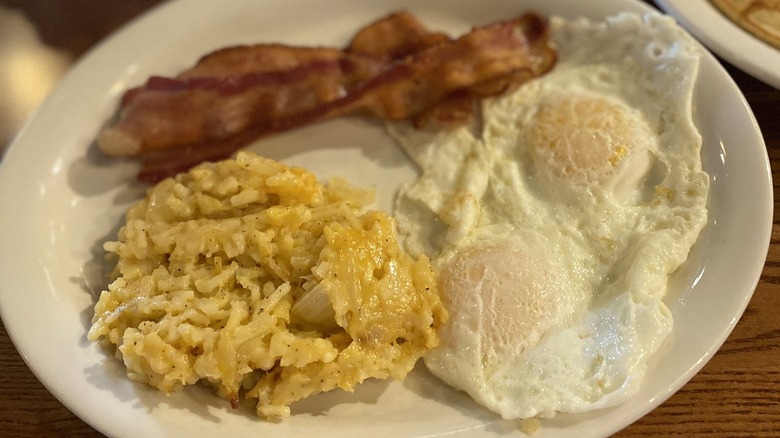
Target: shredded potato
251,276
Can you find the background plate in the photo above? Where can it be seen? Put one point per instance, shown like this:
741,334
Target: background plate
726,39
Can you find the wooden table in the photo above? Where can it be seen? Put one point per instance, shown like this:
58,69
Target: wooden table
736,394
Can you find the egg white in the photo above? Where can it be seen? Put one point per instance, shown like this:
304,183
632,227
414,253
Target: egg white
555,227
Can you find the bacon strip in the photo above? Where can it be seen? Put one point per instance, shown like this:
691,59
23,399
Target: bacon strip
401,34
229,100
479,62
394,37
168,113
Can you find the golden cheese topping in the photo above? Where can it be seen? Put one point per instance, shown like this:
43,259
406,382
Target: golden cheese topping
250,275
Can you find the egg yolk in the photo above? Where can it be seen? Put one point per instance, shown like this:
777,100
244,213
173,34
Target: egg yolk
509,297
591,141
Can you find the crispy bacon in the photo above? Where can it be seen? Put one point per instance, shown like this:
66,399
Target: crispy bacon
393,69
479,62
394,37
193,108
259,58
398,35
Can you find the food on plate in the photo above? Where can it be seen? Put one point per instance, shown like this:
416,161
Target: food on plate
251,276
230,90
555,227
759,17
393,37
236,95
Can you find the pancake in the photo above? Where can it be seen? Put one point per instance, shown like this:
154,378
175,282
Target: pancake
759,17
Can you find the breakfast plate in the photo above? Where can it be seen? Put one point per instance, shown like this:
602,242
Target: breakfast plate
726,39
62,199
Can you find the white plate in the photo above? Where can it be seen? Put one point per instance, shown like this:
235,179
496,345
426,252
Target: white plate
61,199
726,39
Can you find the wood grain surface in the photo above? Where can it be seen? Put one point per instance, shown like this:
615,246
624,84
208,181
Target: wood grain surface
737,394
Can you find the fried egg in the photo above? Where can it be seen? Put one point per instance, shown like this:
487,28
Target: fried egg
554,228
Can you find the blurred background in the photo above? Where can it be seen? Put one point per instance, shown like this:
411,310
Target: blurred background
40,40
